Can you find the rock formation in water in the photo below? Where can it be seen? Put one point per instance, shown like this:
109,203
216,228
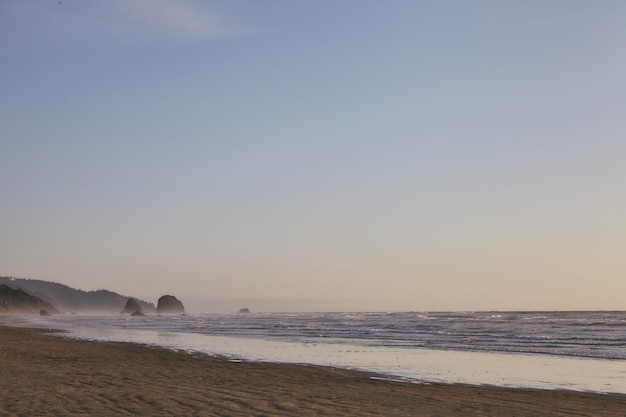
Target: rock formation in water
168,304
132,306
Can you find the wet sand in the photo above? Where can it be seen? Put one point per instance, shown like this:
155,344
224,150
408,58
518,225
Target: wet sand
49,376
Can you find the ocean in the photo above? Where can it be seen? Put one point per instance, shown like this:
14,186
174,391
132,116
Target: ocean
578,350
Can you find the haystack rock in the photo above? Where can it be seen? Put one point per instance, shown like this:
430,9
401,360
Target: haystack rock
168,304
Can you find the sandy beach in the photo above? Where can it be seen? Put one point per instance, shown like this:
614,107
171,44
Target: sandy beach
51,376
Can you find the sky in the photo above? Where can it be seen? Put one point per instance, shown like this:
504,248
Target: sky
317,155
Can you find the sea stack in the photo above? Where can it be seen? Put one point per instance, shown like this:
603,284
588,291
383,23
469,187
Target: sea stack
168,304
132,306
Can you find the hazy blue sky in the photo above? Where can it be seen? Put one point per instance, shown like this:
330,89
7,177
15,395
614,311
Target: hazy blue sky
322,155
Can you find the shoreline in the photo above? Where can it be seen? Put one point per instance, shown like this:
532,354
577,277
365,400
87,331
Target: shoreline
45,375
423,365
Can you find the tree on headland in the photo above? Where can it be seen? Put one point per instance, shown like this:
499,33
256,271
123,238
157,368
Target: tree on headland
19,301
69,299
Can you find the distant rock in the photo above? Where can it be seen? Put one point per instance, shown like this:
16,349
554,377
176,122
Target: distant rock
168,304
137,314
44,313
244,311
132,306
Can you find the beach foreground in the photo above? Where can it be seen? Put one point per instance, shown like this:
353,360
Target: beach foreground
43,375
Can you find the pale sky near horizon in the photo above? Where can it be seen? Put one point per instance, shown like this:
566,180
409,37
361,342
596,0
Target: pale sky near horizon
322,155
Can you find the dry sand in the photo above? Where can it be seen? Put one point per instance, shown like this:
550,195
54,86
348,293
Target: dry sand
48,376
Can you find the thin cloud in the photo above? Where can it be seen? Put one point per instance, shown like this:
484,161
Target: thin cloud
164,20
113,23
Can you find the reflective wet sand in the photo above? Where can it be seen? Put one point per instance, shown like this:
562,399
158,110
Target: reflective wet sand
42,375
421,365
